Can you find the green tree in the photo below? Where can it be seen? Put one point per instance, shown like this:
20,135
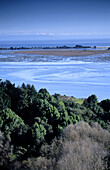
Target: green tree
91,102
105,105
5,101
9,121
43,94
38,135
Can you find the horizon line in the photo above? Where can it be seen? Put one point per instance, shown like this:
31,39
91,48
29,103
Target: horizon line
48,34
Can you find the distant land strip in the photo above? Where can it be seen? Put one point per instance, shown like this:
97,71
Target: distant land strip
57,47
63,52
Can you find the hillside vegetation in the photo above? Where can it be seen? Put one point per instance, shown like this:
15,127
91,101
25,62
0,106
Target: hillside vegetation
43,131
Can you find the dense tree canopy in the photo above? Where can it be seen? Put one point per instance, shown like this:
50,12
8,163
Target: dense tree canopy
29,118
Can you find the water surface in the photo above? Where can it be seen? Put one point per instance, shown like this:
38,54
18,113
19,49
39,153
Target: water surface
75,78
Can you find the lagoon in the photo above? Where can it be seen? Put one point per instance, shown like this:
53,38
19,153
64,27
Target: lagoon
67,77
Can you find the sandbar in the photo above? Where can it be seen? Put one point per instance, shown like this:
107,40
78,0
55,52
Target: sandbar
63,52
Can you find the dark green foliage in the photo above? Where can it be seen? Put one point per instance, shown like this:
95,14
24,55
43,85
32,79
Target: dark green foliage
10,121
105,104
91,102
13,127
43,94
100,110
29,118
38,133
5,101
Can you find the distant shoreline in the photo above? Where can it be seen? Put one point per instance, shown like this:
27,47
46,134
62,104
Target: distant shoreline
64,52
57,47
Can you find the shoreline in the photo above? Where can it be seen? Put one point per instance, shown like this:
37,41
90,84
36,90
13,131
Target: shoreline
63,52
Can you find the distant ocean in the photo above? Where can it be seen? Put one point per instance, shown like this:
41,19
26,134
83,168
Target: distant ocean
54,43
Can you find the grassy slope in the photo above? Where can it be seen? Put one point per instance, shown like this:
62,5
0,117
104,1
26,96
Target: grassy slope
71,99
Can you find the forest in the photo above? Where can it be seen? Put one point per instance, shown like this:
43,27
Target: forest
39,131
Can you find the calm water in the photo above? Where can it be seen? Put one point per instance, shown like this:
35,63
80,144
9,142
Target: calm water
54,43
78,79
73,76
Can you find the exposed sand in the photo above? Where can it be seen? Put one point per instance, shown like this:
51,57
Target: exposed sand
63,52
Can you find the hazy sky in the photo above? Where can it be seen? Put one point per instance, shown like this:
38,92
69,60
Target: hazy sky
54,18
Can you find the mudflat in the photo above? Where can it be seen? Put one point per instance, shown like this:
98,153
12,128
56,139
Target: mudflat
63,52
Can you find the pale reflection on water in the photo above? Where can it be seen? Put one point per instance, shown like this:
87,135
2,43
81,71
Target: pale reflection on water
73,78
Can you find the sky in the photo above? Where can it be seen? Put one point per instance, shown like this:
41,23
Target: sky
45,19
